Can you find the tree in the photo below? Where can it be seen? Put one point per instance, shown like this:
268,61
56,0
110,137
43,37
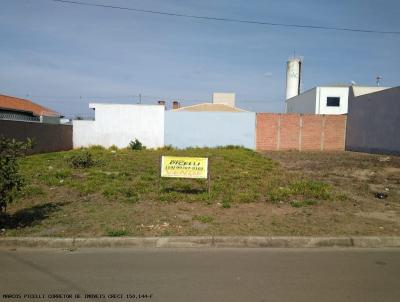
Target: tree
11,180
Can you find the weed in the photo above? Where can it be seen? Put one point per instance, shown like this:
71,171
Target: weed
312,189
32,191
82,160
302,203
203,219
278,194
226,204
96,147
166,148
343,197
136,145
117,233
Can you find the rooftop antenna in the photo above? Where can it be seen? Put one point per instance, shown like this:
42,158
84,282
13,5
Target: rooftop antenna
378,80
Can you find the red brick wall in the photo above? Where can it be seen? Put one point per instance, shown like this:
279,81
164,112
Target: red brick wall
300,132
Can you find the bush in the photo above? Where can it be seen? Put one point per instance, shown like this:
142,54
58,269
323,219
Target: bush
82,160
136,145
11,181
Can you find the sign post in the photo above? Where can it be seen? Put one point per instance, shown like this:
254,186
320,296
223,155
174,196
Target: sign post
186,167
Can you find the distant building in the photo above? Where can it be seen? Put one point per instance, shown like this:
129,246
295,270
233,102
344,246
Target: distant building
224,102
331,99
12,108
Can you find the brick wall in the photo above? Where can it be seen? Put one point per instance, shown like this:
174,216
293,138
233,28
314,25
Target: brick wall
300,132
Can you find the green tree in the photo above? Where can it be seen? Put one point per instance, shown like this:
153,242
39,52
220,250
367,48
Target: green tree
11,180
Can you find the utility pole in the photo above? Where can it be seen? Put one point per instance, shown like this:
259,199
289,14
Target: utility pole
378,81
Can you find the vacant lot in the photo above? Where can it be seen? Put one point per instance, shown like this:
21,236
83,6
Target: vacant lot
274,193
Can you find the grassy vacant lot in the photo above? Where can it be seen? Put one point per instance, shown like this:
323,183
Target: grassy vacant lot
275,193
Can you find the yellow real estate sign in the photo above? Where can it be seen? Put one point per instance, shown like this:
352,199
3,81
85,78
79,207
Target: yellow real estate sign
184,167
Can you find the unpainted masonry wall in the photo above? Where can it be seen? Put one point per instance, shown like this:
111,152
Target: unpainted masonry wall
303,132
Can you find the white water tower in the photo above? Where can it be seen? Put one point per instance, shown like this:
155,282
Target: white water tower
293,77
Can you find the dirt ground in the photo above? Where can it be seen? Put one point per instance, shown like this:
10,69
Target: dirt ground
353,209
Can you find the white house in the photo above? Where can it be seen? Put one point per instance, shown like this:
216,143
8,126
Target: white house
325,99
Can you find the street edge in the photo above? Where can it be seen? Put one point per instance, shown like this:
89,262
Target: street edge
202,242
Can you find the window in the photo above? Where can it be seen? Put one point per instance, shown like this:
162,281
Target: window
333,101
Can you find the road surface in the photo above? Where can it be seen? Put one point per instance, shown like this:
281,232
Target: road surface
200,275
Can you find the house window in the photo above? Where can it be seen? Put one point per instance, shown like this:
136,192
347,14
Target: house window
332,101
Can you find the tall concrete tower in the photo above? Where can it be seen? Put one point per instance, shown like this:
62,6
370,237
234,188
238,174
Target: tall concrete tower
293,77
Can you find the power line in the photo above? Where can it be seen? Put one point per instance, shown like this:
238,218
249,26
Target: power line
145,98
265,23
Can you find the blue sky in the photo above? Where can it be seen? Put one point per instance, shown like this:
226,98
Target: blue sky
54,53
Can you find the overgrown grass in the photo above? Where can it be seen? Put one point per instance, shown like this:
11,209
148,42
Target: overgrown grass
120,192
238,175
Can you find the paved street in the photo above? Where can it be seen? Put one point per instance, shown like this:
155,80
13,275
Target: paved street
201,274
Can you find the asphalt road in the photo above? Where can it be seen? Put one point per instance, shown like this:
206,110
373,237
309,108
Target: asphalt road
201,274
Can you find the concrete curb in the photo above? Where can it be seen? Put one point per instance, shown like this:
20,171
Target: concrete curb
201,242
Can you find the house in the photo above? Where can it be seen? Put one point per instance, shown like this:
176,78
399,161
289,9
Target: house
12,108
221,102
330,99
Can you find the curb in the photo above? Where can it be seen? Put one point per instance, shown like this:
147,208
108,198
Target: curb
201,242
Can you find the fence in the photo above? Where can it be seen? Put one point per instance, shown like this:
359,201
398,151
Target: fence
303,132
48,137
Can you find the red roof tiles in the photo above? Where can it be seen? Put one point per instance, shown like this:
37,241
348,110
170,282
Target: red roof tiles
17,104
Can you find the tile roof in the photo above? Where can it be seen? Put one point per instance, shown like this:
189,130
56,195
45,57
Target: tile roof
17,104
210,107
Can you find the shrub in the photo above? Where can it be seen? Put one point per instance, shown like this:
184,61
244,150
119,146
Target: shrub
11,181
82,160
136,145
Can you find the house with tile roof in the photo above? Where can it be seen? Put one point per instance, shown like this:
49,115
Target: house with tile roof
12,108
221,102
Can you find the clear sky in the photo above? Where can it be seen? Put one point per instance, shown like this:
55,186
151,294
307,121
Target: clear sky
65,56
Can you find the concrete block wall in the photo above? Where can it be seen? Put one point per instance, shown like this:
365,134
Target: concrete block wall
303,132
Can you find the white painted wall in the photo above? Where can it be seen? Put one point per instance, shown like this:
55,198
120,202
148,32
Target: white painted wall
118,124
303,103
325,92
315,101
83,134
